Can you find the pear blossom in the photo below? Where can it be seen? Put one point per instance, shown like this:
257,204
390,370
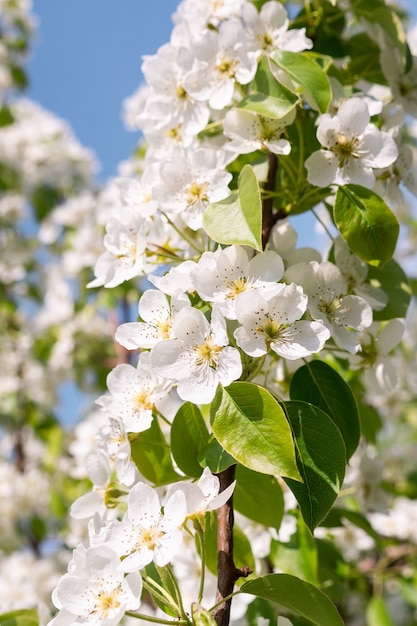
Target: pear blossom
168,103
199,357
190,182
145,533
275,324
355,272
353,148
328,302
96,592
98,469
223,57
250,132
204,495
158,315
113,439
221,276
133,394
125,244
268,30
376,342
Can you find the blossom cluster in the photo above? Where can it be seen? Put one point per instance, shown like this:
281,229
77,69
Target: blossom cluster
222,312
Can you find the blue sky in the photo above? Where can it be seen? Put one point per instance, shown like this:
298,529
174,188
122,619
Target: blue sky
86,60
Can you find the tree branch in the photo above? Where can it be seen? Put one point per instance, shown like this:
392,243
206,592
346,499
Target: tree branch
227,573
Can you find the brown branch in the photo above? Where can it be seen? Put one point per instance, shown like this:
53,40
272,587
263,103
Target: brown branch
269,218
227,573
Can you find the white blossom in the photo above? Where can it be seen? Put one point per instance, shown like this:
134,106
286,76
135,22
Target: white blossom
199,357
274,324
353,148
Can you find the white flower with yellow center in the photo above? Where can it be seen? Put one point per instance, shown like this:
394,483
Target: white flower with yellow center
97,593
353,148
199,357
275,324
158,315
329,303
145,533
221,276
134,392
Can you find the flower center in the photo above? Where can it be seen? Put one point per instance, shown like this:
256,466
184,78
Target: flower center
207,353
235,287
149,536
163,327
143,400
226,67
181,93
197,192
346,148
271,330
107,602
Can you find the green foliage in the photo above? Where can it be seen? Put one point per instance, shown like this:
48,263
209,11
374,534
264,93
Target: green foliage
189,436
393,280
259,497
321,460
319,384
238,218
267,96
297,595
304,71
27,617
298,556
151,454
366,223
246,420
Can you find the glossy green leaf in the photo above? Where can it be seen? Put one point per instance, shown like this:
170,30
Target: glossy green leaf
377,613
252,427
296,595
258,497
215,457
307,73
319,384
391,279
189,436
24,617
161,577
238,218
366,223
298,556
321,459
267,96
151,454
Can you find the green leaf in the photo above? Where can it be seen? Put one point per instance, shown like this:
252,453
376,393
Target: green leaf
251,426
377,613
364,60
25,617
258,497
391,279
319,384
321,459
298,556
189,436
377,12
162,578
238,218
152,457
307,73
215,457
366,223
267,96
296,595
